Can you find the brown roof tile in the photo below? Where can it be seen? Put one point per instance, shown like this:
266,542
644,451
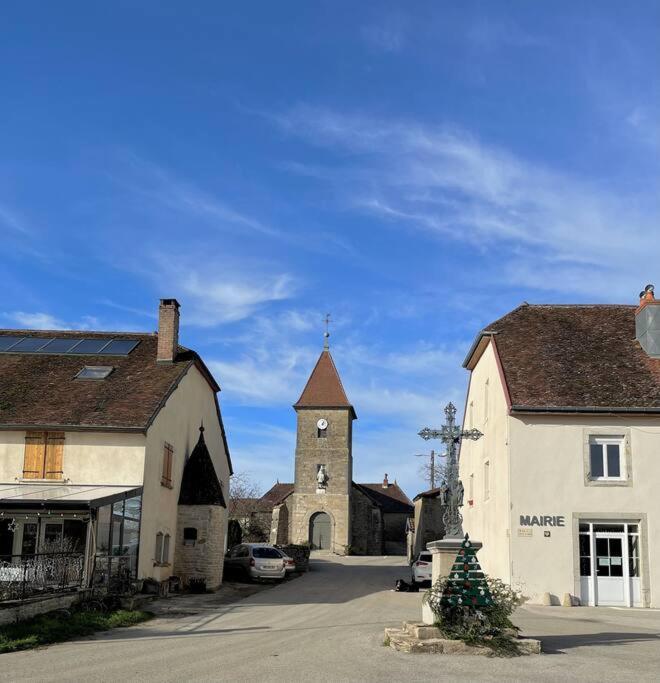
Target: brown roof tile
40,389
277,494
390,499
324,388
582,356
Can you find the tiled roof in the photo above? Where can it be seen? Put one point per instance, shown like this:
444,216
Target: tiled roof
277,494
200,484
390,499
431,493
582,357
324,388
38,390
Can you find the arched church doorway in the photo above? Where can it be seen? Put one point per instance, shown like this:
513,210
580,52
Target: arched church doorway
320,531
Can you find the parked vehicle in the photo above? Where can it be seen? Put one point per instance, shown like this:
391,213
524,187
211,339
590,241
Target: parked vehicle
256,561
422,568
289,562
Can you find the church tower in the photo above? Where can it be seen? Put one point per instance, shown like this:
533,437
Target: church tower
321,502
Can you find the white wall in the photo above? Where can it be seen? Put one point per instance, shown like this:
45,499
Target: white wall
547,478
88,457
487,520
178,424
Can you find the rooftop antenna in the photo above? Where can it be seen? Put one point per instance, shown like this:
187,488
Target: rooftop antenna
326,334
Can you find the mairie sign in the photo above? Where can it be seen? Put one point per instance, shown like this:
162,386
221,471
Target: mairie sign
542,520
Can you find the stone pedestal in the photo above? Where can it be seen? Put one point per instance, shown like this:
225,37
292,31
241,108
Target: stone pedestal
444,554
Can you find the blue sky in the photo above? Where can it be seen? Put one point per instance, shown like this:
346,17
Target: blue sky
415,170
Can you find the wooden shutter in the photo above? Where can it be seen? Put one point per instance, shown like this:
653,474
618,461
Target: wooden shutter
35,455
168,455
54,455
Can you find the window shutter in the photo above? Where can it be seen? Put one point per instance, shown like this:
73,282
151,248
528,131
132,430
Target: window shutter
54,455
35,453
166,549
159,547
166,476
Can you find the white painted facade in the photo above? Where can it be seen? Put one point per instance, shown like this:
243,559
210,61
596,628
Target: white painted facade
536,465
136,459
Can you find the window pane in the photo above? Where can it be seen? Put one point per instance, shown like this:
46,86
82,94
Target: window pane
103,530
585,550
585,566
633,528
95,372
613,460
596,460
584,527
601,547
265,553
616,528
29,546
616,547
75,533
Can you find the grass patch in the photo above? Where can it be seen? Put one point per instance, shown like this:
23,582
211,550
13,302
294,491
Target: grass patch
57,627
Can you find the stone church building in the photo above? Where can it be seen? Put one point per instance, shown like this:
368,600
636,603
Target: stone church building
324,506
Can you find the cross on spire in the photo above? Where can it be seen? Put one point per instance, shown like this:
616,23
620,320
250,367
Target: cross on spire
326,334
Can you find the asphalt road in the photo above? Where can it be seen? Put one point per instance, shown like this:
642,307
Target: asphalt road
328,626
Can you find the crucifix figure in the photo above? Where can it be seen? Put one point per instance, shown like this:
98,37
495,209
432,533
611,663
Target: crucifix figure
326,334
452,495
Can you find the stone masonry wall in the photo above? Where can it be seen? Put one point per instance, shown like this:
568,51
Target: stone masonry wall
206,557
279,528
335,452
367,526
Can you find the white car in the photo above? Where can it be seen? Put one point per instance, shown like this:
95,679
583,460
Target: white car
422,568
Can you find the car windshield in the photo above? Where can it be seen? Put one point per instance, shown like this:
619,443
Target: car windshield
425,558
266,553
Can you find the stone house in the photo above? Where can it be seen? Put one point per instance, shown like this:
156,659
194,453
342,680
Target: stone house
562,489
427,525
102,457
324,506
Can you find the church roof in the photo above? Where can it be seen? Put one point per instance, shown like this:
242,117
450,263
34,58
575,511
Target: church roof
277,494
200,484
324,388
390,499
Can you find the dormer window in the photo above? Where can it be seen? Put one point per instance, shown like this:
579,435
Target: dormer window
95,372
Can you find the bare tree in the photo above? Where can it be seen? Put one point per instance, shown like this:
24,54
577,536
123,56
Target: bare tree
242,492
433,470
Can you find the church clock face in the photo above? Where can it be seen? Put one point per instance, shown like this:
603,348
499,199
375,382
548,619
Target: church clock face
322,423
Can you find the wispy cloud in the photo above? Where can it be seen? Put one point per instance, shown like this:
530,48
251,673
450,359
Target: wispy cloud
45,321
385,37
10,220
580,234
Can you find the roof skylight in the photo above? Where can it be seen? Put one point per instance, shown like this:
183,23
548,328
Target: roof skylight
95,372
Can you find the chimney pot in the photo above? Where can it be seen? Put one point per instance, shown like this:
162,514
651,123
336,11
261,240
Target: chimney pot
385,482
168,330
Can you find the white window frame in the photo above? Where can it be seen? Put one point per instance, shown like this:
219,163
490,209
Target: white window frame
605,441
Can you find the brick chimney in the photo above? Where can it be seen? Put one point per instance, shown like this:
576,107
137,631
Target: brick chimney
385,482
168,330
647,322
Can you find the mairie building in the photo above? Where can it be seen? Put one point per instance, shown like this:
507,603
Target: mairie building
563,487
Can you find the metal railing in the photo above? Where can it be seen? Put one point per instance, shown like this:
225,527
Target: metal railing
115,572
24,576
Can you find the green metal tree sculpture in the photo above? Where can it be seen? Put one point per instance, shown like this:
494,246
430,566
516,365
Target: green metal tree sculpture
466,584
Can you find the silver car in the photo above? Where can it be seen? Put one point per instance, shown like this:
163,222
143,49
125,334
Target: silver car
256,561
422,568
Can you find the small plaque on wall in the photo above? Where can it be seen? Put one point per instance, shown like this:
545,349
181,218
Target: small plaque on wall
525,533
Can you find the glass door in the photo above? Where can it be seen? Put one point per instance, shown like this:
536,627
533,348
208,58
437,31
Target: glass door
610,569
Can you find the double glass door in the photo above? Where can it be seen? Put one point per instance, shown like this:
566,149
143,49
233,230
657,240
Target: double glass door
609,564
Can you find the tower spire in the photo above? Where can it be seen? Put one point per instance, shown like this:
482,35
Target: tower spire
326,334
